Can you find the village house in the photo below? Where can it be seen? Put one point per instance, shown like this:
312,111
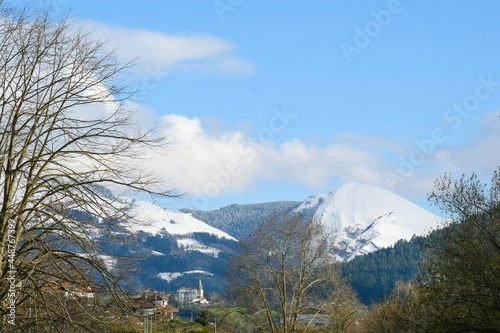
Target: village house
69,290
149,305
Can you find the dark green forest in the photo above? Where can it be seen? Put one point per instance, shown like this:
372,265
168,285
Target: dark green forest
240,220
375,274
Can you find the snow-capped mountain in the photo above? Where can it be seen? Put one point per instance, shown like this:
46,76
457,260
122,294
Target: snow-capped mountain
176,248
154,219
186,245
364,218
183,248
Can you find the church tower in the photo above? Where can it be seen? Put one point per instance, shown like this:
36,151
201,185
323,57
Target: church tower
200,290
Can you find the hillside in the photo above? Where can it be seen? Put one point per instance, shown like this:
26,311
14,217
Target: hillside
174,248
366,221
375,274
239,220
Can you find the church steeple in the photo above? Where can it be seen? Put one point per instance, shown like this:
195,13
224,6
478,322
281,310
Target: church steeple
200,290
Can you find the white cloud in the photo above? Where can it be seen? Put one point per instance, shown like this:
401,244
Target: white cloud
313,165
208,164
157,52
231,65
480,155
197,158
231,162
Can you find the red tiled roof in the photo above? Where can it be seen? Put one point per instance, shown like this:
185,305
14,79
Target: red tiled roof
67,286
157,298
142,303
71,287
170,308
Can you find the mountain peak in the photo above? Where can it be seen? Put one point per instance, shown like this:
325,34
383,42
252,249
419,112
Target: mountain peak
364,218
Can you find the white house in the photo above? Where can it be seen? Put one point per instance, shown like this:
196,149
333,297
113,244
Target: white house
192,295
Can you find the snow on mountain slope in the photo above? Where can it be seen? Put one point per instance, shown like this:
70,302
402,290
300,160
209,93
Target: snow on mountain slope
311,203
190,244
169,277
153,219
364,218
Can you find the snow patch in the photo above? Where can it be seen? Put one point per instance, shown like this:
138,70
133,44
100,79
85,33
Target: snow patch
108,261
189,244
169,277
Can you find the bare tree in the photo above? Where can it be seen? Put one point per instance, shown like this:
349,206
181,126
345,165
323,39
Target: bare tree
64,134
285,275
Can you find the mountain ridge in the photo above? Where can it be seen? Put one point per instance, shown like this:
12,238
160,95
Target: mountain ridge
240,220
185,244
363,217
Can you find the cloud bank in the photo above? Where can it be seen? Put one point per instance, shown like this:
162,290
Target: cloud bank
207,164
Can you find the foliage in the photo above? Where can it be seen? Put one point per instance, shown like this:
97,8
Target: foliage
231,319
461,276
399,312
175,259
203,317
458,289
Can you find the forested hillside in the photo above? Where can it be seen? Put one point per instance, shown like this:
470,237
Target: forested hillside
240,220
168,263
375,274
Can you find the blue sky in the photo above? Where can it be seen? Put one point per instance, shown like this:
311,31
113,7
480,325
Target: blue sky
266,101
